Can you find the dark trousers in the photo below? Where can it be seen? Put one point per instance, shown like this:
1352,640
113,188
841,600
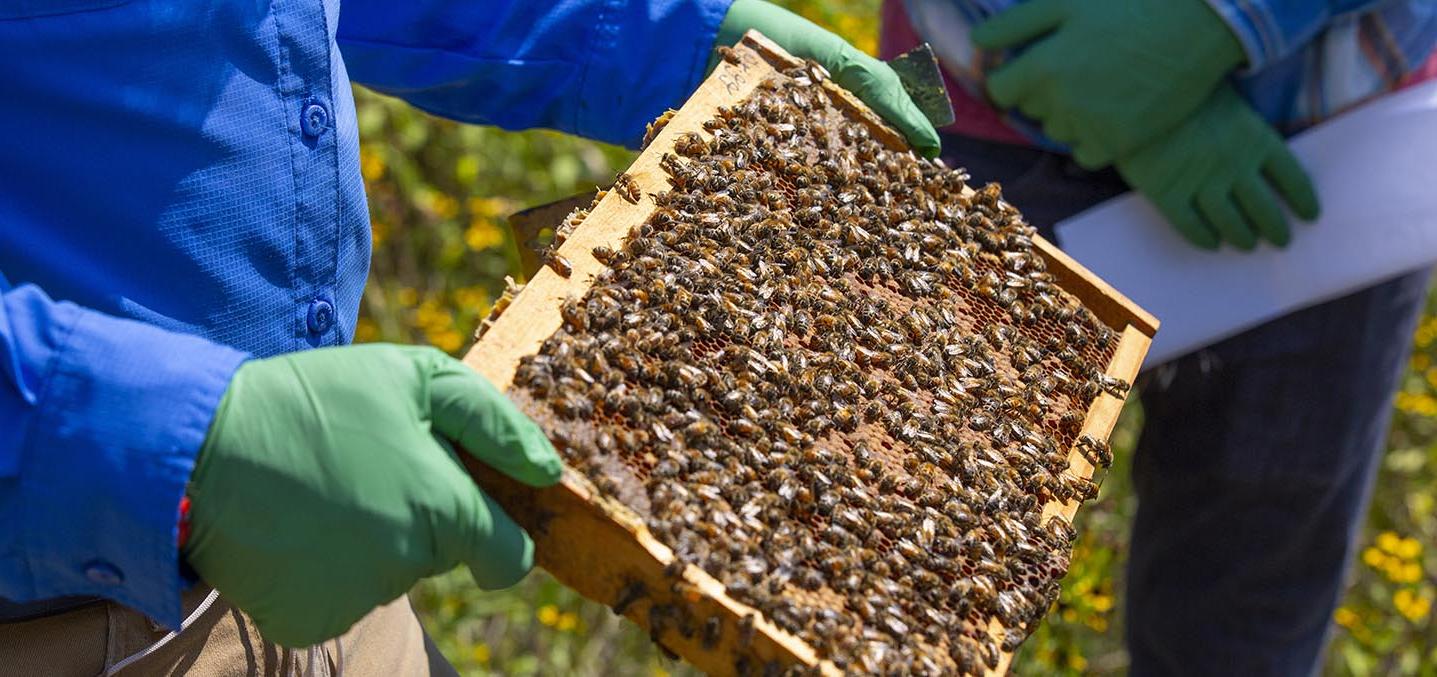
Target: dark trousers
1256,460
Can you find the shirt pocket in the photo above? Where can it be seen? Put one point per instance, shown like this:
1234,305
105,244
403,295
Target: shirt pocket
29,9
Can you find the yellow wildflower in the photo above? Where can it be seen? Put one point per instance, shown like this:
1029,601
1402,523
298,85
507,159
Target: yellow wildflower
406,296
448,340
432,317
1421,404
365,330
1345,617
1373,557
1420,361
1419,609
1408,548
857,30
568,621
1392,569
1101,603
378,232
482,234
437,203
1409,572
1077,662
1426,405
489,206
480,653
475,298
1412,606
1426,332
444,206
548,615
1388,541
371,165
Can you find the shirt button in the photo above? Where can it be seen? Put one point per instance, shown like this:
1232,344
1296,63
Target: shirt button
101,572
321,316
314,120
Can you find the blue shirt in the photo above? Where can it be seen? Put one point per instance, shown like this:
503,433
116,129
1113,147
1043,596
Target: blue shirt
1307,60
180,190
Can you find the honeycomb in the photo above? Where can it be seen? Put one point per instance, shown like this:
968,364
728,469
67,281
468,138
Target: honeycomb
837,380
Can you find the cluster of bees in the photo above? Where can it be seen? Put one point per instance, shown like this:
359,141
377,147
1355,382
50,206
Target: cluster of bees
839,382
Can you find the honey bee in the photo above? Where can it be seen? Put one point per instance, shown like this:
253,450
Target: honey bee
574,316
690,144
1113,386
559,264
630,593
603,254
1094,450
627,187
653,128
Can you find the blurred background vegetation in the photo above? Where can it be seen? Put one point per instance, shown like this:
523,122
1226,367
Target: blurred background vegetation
439,193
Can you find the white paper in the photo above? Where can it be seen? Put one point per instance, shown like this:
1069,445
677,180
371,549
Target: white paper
1375,169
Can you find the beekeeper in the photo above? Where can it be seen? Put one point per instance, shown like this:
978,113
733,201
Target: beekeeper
1258,452
181,221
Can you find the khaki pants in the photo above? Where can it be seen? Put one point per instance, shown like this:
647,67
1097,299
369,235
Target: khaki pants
87,642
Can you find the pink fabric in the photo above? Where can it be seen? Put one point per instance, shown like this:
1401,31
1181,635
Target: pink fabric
1427,71
973,116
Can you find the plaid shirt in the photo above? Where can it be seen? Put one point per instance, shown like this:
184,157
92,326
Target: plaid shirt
1307,59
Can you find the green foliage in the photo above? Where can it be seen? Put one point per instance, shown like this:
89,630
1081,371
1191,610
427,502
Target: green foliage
1385,623
439,193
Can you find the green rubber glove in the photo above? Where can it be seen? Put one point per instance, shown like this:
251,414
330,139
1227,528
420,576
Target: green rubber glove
1107,77
1217,177
328,485
871,80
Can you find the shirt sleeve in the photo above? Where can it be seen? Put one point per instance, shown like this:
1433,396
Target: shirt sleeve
1270,30
597,68
100,421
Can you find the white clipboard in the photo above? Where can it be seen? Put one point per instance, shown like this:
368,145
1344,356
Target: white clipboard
1375,169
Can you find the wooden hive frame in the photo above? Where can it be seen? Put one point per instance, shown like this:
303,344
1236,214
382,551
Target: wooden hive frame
600,547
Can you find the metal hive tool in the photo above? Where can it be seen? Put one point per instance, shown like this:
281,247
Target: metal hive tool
795,445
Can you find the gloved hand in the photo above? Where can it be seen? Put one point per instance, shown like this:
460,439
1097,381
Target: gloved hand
1214,177
871,80
1108,77
328,485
